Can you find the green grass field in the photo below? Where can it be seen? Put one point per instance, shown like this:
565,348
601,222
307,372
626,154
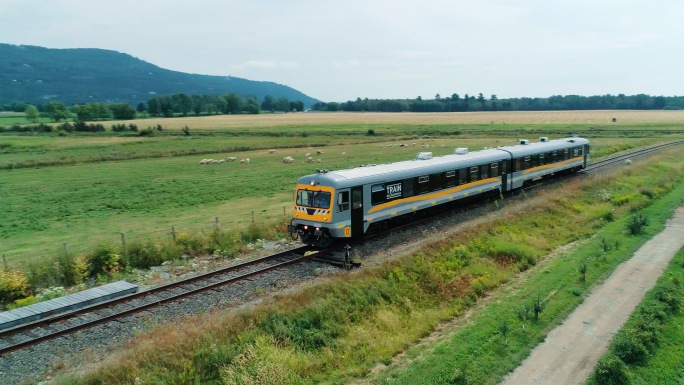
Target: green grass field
86,189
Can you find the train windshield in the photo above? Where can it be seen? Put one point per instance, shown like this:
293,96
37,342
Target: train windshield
316,199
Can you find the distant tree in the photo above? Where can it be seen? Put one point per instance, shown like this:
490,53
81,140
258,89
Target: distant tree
166,106
233,104
198,104
182,103
32,114
268,104
481,100
332,106
282,104
154,107
122,111
251,105
141,108
297,106
56,111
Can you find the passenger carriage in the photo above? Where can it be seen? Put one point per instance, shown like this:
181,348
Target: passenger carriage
347,203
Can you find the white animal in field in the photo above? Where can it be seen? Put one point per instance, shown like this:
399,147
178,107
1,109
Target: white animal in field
221,161
344,153
271,151
288,159
319,152
307,155
204,161
231,159
309,159
628,162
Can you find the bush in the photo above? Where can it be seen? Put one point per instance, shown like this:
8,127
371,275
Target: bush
144,254
370,132
611,371
103,261
629,348
13,285
637,223
73,270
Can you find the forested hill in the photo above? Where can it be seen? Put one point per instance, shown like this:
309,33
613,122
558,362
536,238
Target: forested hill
38,75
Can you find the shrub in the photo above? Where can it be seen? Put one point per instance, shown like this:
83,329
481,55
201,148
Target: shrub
670,295
647,192
144,254
13,285
611,371
629,348
370,132
103,261
637,223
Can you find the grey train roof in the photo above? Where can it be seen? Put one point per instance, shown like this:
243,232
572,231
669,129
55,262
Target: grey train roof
415,167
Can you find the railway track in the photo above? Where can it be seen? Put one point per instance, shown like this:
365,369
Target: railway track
633,154
24,336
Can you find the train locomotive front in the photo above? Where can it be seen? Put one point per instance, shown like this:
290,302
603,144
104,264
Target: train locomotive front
321,212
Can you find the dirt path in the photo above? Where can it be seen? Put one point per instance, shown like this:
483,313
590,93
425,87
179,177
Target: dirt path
570,352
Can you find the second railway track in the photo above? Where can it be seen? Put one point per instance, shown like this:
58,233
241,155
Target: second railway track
23,336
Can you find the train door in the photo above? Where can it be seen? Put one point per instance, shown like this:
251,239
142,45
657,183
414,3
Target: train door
504,176
357,212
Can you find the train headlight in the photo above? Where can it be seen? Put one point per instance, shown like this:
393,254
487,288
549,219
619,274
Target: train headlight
306,227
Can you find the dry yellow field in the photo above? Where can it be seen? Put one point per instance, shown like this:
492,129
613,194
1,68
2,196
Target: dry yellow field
497,117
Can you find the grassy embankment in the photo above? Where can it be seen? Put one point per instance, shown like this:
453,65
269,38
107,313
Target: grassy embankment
648,350
339,330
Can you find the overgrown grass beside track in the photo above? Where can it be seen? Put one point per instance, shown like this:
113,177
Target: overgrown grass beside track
338,331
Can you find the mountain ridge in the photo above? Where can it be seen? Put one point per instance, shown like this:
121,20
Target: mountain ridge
36,74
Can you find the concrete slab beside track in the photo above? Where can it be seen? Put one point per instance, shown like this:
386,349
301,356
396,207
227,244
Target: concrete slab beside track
570,351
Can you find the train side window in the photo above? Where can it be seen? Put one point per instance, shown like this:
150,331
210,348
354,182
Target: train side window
407,187
519,164
436,182
343,201
474,174
450,178
462,176
423,184
378,194
484,171
541,160
565,154
575,152
579,149
554,156
527,163
494,170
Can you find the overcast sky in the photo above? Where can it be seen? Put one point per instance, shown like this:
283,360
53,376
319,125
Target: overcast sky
341,50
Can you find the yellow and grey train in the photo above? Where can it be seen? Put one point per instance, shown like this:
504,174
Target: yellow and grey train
348,203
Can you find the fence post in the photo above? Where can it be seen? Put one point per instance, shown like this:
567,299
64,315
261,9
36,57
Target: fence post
173,233
123,242
284,211
66,251
252,216
217,223
4,262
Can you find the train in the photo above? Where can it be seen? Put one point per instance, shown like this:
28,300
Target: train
333,205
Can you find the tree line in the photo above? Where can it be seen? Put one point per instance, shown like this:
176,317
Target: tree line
457,103
159,106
